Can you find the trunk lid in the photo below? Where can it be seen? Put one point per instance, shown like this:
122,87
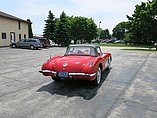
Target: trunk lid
72,63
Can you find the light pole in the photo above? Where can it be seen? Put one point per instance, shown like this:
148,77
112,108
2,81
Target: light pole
99,24
99,30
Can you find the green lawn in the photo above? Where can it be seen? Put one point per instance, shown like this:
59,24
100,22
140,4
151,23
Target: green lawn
124,45
137,47
142,49
114,45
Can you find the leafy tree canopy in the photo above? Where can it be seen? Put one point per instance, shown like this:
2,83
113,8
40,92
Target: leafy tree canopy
64,29
143,22
119,30
105,34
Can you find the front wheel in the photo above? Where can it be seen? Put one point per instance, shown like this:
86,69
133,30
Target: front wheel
97,80
13,45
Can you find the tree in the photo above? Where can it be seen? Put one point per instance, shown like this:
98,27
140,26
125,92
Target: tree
119,30
105,34
83,29
90,31
62,31
30,32
50,26
143,23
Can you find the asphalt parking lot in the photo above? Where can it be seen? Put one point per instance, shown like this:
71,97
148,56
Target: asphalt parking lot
128,89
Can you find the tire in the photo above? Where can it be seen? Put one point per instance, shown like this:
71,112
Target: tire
14,46
109,62
98,78
56,79
32,47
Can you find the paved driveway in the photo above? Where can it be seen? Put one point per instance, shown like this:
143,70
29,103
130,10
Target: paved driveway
128,89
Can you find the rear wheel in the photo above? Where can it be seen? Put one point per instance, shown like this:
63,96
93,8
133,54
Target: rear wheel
97,80
109,63
56,79
32,47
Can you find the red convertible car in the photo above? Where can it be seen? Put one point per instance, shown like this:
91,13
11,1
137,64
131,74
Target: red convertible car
81,61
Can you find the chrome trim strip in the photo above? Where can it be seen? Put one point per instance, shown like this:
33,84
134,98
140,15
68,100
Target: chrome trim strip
77,74
91,75
47,71
82,74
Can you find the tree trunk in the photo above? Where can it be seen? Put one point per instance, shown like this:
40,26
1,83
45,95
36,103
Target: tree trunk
75,41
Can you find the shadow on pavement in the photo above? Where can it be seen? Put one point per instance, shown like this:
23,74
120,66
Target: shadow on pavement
71,88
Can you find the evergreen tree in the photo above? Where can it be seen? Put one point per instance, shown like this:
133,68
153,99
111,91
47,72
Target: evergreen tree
30,32
50,26
62,31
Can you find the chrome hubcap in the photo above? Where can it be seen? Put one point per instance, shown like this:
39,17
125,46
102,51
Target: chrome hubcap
32,47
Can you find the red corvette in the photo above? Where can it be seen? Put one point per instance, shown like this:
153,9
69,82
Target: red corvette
86,62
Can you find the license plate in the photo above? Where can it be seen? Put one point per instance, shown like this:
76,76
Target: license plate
63,74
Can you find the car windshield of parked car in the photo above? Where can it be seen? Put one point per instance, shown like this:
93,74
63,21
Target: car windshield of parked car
80,51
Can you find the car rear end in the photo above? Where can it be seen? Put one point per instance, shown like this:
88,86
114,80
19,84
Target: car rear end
45,42
38,44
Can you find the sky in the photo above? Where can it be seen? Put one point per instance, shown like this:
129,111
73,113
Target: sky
109,12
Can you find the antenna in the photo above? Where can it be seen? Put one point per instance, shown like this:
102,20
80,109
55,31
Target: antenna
50,54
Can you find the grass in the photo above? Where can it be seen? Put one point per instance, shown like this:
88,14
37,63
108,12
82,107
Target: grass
134,47
113,45
148,50
124,45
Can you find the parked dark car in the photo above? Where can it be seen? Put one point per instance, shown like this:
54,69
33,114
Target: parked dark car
28,43
45,42
103,41
111,41
96,41
120,41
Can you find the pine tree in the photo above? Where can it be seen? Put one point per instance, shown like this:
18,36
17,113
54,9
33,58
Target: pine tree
30,32
50,26
62,32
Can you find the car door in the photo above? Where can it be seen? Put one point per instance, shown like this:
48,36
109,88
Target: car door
21,43
28,43
103,57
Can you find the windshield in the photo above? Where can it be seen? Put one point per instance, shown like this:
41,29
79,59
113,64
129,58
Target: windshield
80,51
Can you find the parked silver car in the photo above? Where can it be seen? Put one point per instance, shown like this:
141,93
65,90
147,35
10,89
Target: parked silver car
28,43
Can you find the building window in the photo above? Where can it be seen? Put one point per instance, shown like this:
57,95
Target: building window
4,36
19,25
19,36
24,36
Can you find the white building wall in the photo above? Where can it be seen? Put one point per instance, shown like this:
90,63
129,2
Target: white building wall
8,25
